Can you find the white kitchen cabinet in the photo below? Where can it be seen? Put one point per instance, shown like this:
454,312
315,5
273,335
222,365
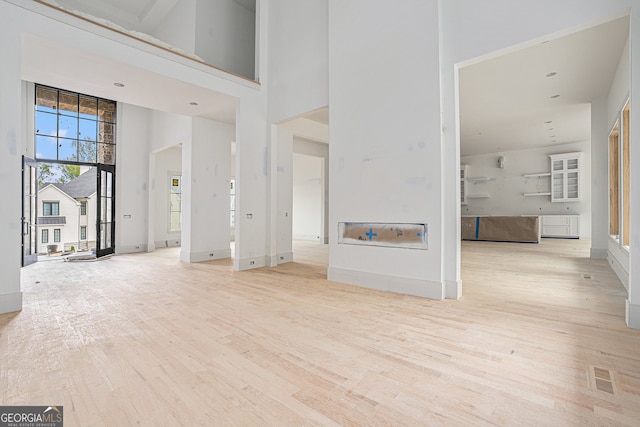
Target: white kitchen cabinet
564,226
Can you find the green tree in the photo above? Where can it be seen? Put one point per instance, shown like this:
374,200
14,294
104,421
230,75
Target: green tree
68,172
45,173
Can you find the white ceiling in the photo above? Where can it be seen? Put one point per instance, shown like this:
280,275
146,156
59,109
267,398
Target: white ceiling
505,102
63,67
138,15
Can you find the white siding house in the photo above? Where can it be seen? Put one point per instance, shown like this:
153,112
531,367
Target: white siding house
67,215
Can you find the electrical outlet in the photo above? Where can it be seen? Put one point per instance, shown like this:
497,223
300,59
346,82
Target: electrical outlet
211,254
252,262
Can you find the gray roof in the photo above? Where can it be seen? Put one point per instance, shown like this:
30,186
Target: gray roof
82,186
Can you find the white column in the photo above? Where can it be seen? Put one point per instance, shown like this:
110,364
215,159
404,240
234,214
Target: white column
599,179
206,174
252,171
11,151
285,195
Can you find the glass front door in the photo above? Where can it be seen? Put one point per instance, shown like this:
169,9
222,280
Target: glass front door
29,211
106,226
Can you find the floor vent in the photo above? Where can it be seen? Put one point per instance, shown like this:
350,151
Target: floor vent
603,380
586,276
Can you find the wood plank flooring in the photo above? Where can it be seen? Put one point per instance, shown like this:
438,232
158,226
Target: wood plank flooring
144,339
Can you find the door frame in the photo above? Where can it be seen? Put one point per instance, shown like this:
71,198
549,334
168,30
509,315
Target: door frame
103,217
29,229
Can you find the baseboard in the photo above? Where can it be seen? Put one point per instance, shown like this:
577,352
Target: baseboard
312,237
285,257
453,289
619,269
249,263
130,249
596,253
172,243
632,315
381,282
205,255
10,302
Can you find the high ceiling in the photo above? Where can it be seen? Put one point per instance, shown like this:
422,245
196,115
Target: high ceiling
505,102
138,15
510,102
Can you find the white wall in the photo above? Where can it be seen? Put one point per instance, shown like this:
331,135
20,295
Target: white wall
132,174
206,170
506,186
12,147
298,57
308,191
178,27
225,36
167,162
385,139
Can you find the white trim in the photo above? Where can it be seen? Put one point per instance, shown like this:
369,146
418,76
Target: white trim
285,257
129,249
597,253
205,255
249,263
313,237
382,282
10,302
618,259
169,243
632,315
453,289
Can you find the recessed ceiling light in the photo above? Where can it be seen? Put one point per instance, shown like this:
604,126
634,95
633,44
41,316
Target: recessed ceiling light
551,74
555,96
118,84
193,103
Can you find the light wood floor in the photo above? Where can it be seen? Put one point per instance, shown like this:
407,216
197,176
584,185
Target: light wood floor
147,340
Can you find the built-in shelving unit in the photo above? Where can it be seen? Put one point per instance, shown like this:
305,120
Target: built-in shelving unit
564,183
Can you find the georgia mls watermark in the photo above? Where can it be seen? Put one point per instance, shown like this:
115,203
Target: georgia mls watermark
31,416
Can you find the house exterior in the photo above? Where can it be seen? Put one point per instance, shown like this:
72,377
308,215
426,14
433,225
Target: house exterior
67,215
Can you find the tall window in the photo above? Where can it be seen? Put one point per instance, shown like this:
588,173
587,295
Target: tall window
45,236
50,208
175,202
619,179
83,208
74,128
56,235
83,232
